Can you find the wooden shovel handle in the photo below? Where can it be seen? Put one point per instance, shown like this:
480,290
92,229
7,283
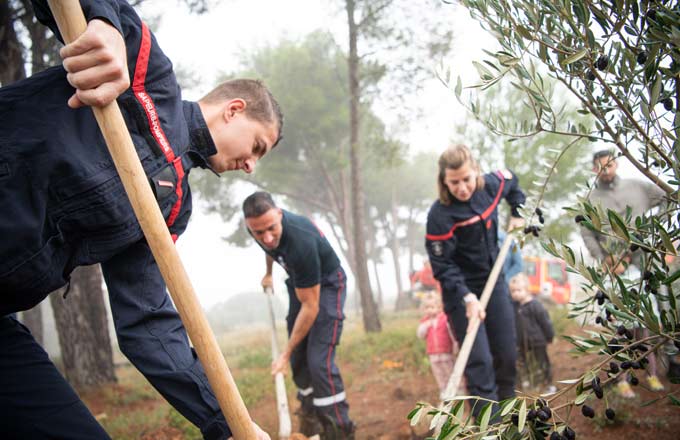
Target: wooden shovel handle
279,382
464,353
71,21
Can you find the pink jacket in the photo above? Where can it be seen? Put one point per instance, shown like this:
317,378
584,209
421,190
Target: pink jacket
437,334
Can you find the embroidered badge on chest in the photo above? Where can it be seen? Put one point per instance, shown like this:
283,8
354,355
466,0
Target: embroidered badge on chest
438,248
281,261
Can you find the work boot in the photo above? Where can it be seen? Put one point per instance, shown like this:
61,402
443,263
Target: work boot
309,423
332,431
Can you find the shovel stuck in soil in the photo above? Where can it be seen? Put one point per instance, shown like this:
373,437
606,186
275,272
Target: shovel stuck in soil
464,353
281,397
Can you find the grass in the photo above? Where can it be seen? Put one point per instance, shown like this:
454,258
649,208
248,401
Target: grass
397,343
129,425
134,408
189,431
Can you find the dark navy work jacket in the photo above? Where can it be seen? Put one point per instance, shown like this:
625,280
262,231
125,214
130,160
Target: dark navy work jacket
63,204
462,238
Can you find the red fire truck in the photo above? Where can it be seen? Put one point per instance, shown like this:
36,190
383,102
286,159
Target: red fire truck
548,278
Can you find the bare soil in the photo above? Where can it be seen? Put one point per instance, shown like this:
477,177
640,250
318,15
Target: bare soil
381,392
382,395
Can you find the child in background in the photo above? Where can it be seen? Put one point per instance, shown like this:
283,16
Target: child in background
441,345
534,333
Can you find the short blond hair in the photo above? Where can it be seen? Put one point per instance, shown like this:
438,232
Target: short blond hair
453,158
520,278
261,104
432,298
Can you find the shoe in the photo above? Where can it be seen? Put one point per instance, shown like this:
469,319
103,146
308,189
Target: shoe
309,423
624,389
654,383
331,431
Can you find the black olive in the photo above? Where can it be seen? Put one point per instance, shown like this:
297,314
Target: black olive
579,218
602,62
667,104
610,413
587,411
642,57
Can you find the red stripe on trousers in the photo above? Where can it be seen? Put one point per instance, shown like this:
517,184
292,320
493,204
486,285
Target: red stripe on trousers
330,349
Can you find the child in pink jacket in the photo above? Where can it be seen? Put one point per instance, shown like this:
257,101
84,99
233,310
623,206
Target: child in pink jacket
441,345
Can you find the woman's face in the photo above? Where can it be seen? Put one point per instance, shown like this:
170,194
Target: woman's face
461,182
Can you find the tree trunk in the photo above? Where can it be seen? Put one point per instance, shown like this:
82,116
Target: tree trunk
33,320
83,330
11,55
381,304
368,306
410,242
402,298
44,45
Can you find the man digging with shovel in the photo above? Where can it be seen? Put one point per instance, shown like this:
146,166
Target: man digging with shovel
317,291
462,244
64,206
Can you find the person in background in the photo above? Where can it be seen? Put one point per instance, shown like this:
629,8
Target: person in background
462,245
441,345
534,333
513,263
619,194
317,288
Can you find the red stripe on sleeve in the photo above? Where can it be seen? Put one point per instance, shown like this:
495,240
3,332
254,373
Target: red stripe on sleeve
139,89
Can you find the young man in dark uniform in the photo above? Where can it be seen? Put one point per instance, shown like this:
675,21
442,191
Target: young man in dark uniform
316,290
462,244
64,206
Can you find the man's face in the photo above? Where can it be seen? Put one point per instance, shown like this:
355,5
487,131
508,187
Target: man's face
461,182
267,228
605,167
241,141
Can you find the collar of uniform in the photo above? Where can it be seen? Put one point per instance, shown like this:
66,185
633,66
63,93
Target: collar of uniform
201,141
284,228
608,185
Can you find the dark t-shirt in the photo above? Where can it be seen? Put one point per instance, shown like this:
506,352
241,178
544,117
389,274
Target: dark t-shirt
303,251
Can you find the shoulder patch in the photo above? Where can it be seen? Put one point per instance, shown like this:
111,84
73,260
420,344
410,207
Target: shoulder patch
507,174
438,248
